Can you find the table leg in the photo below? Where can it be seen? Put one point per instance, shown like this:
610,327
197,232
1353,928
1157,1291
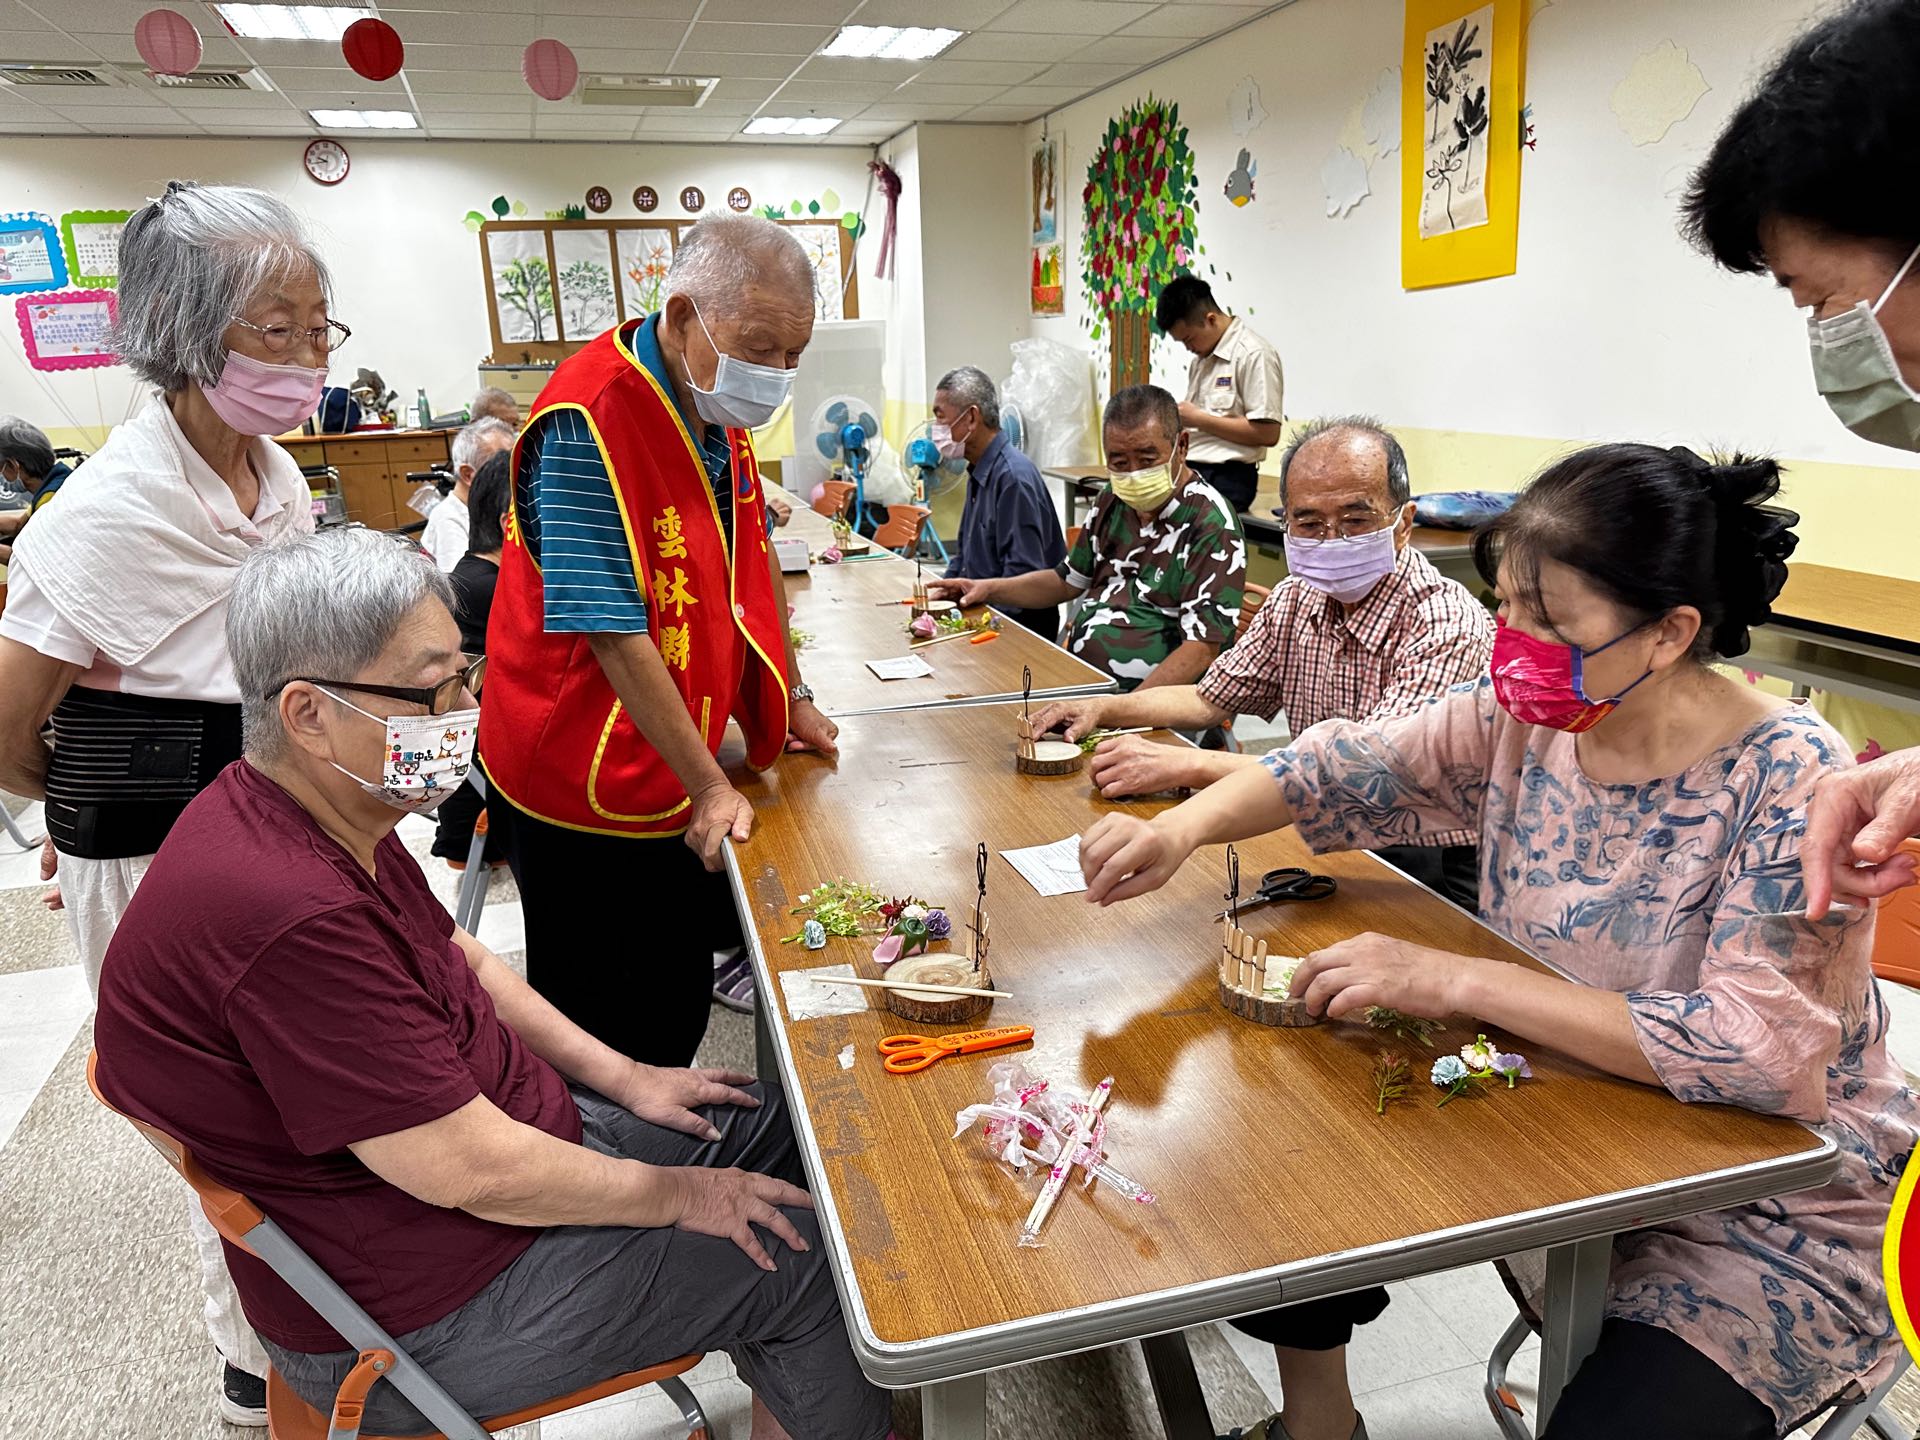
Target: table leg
955,1409
1575,1301
1183,1409
765,1066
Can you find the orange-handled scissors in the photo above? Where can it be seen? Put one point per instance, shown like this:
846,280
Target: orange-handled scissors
907,1053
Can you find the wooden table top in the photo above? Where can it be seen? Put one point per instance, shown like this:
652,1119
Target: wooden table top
816,529
1851,602
1272,1170
844,609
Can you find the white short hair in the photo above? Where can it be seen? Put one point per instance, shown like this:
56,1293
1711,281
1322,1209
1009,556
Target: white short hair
324,604
720,258
190,263
473,438
971,386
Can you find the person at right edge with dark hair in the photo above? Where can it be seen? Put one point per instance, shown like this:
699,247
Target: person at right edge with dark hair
1233,404
1812,182
1638,814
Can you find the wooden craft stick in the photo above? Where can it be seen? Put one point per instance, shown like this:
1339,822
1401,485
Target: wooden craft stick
1111,734
1260,969
938,640
907,985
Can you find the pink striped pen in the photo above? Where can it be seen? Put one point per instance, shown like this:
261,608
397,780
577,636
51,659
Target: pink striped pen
1063,1164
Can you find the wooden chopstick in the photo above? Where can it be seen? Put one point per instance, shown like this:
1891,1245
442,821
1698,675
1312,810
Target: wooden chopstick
907,985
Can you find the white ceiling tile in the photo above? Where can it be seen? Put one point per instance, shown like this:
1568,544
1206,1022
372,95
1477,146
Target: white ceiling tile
1071,72
62,97
477,120
463,82
894,110
330,77
610,61
792,12
123,127
1129,49
1082,17
1046,96
868,129
215,49
729,95
693,123
109,17
15,16
501,59
264,127
758,39
919,92
842,67
1192,22
602,119
995,45
524,132
586,33
447,27
41,45
988,72
638,9
270,54
825,95
477,104
749,66
955,14
1003,114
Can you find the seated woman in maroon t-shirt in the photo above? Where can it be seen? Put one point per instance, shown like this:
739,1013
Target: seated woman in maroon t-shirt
528,1210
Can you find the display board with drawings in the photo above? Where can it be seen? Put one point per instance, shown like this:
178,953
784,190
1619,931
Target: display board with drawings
30,254
553,285
67,329
91,240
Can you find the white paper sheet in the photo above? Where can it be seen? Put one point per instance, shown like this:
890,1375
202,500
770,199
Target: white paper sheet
807,1000
1051,869
905,667
1659,91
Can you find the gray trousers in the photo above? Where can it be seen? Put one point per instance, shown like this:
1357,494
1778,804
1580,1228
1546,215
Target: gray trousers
585,1303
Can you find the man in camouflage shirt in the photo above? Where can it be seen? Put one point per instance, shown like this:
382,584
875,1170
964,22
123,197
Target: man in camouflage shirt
1160,566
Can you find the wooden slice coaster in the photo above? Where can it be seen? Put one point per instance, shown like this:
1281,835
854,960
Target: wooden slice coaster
1048,757
935,608
1265,1010
1243,982
925,1008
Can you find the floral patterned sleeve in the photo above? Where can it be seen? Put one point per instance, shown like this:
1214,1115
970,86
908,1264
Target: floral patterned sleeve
1779,997
1357,786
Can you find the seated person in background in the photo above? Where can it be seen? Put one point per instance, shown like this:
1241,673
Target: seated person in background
495,404
473,580
1009,526
529,1211
445,537
1640,818
1161,561
26,465
1364,628
1233,388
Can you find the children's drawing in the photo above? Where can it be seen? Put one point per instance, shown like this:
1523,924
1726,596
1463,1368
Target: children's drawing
1459,68
645,256
1044,162
822,244
522,284
586,281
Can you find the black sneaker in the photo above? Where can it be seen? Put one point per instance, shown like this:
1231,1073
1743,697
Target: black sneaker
243,1399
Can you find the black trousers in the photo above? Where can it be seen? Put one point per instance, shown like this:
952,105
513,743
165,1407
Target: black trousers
455,818
620,931
1236,480
1450,870
1641,1381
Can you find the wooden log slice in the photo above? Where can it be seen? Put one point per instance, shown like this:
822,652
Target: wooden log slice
1291,1014
935,608
1048,757
925,1008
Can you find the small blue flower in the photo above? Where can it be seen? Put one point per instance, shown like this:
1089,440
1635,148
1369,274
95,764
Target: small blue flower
1448,1070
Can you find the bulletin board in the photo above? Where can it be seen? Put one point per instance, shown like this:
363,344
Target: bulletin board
91,241
552,285
30,254
68,329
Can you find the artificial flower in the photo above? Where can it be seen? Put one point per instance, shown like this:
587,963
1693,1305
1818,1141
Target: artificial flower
1513,1067
923,627
1449,1070
939,925
914,911
1479,1055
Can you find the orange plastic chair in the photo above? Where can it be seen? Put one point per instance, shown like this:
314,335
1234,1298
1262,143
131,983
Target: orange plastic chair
1896,934
900,531
289,1417
834,498
1250,602
1073,536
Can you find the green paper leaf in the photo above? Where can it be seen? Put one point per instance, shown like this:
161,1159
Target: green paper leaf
830,200
500,206
850,220
813,207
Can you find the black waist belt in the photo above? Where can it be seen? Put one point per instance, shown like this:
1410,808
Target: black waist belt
125,766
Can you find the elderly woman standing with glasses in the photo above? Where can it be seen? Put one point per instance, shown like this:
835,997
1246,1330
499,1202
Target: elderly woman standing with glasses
117,601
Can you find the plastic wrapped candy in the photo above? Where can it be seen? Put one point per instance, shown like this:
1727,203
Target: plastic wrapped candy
814,935
1026,1124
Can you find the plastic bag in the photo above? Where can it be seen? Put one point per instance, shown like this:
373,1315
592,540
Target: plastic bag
1052,384
1026,1124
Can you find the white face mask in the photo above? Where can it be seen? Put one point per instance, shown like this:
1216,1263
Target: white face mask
743,395
1854,368
1346,568
944,441
427,756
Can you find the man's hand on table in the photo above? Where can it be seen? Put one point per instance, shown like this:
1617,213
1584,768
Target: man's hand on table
1135,765
729,1203
1124,856
668,1098
1859,815
718,812
808,728
782,511
1076,717
1375,969
968,592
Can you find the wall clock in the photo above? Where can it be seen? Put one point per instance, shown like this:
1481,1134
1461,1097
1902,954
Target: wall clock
326,161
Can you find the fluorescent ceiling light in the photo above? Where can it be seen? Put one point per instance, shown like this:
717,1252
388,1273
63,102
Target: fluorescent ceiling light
890,42
364,119
789,125
291,22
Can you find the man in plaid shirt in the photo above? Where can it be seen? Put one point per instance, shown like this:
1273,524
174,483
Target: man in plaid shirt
1402,634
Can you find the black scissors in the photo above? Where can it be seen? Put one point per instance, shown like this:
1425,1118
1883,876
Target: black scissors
1290,883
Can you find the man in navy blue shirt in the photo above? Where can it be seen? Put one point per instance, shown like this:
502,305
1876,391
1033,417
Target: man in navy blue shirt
1009,526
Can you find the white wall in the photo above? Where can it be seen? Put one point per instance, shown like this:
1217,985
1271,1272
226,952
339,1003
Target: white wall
1613,328
406,270
972,246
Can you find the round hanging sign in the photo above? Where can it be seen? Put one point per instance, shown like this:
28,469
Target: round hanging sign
739,199
645,197
599,199
691,199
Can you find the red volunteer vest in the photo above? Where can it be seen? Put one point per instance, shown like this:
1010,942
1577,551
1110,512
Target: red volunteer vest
556,741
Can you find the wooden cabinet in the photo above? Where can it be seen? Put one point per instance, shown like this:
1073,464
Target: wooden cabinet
373,466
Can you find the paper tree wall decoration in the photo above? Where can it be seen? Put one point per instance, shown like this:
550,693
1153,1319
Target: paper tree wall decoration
1139,201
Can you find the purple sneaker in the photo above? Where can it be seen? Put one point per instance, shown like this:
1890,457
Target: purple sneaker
733,981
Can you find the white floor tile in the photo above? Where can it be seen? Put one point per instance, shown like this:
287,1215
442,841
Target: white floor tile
503,927
1447,1406
39,1012
21,868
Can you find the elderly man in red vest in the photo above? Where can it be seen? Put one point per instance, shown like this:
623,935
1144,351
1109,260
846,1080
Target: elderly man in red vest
640,607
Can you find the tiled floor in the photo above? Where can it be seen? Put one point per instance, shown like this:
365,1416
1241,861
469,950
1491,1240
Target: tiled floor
100,1335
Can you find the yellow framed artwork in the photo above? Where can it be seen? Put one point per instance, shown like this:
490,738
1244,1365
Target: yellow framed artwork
1462,74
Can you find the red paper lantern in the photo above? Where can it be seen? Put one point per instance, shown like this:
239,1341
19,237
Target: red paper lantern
373,49
168,42
549,69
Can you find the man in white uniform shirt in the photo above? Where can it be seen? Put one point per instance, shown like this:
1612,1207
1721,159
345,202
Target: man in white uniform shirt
1233,405
445,537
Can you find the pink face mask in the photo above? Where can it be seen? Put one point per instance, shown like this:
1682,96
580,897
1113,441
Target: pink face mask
1539,683
256,398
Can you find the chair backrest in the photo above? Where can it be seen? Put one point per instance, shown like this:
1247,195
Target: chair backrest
901,529
1250,603
230,1212
1073,536
834,495
1896,935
